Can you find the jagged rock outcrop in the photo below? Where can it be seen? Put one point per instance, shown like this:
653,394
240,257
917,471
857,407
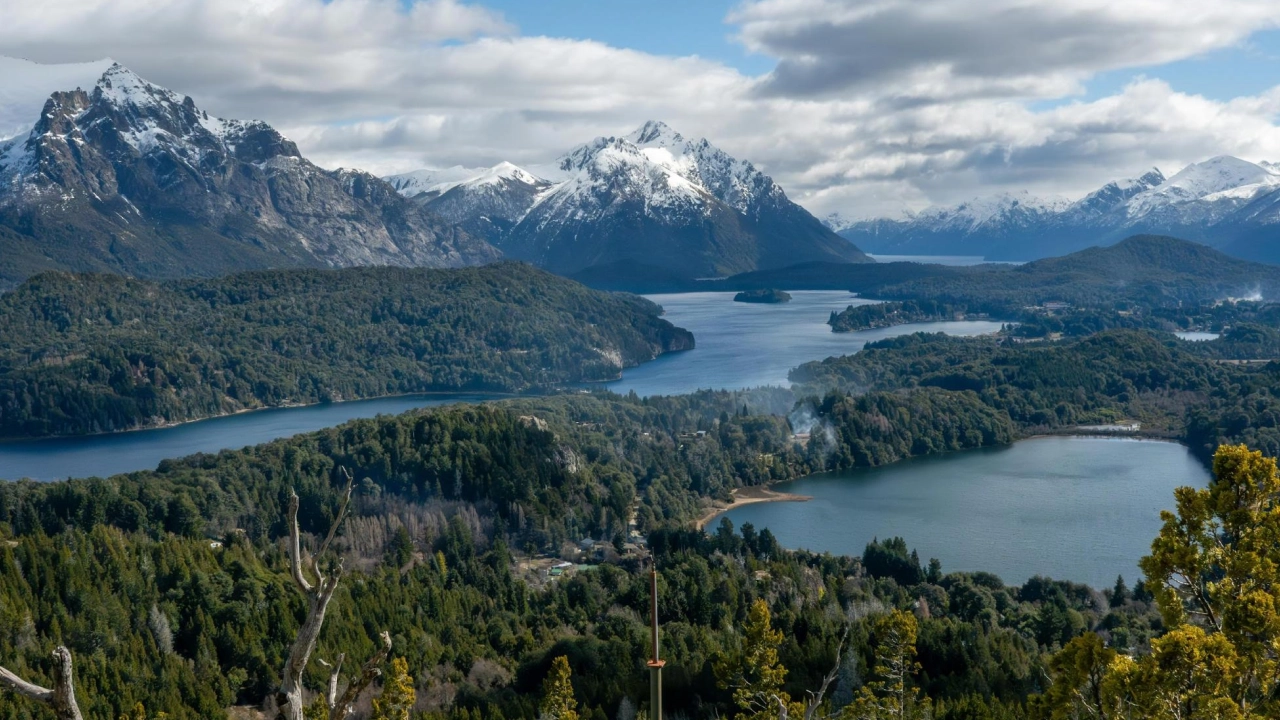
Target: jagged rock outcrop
132,178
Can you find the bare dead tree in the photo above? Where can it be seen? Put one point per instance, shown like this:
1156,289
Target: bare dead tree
342,707
61,699
814,700
289,700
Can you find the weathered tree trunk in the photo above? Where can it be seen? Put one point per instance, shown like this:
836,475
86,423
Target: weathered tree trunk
61,699
289,700
290,703
342,707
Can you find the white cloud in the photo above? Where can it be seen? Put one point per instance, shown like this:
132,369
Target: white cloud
935,49
863,115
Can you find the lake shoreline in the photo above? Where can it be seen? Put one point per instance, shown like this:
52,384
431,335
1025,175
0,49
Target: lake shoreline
749,495
487,396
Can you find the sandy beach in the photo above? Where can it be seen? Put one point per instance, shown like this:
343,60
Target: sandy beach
749,496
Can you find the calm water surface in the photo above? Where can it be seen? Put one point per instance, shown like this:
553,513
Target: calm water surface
1196,336
745,345
105,455
739,345
1081,509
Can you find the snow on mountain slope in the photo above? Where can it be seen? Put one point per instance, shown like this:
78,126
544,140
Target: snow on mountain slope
1225,202
651,196
487,203
432,182
1018,207
25,86
127,176
1220,178
656,197
1116,193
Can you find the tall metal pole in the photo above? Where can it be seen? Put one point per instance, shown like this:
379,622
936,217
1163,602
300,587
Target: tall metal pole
656,662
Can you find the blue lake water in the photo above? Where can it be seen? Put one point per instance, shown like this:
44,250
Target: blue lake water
739,345
1072,508
745,345
105,455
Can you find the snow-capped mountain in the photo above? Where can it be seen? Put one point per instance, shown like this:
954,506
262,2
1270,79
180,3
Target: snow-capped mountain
486,202
652,197
130,177
1225,202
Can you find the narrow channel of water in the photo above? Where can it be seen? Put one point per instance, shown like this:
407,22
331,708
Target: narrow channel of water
104,455
745,345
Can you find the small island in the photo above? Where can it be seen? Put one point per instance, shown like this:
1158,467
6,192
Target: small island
762,296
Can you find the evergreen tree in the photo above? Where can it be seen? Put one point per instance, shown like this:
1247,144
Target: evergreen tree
1120,593
756,675
890,694
558,702
398,695
1214,571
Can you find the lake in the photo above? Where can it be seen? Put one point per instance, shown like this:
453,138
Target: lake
1197,336
104,455
745,345
739,345
1072,508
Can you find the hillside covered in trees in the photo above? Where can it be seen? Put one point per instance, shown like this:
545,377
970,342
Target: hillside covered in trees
100,353
122,570
1176,389
451,501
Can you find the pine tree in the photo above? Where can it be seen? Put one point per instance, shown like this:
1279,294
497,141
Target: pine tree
1120,593
755,675
557,693
890,694
1214,572
397,696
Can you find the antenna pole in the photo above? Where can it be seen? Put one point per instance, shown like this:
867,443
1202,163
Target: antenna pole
655,663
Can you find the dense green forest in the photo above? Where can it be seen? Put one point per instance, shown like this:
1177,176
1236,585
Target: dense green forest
1176,389
100,353
451,502
122,569
762,296
888,314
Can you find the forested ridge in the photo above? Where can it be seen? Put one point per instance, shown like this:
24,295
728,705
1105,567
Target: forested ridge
1176,389
100,353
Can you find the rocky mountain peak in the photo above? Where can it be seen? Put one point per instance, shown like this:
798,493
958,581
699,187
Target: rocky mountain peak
656,133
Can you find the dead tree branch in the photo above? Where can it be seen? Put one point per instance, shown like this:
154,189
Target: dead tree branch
61,698
815,698
289,700
341,708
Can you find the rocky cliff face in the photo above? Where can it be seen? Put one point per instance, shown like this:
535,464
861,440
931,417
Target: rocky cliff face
132,178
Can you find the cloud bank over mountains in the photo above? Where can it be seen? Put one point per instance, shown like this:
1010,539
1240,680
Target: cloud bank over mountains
873,106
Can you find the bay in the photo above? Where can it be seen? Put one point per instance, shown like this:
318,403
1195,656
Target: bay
1073,508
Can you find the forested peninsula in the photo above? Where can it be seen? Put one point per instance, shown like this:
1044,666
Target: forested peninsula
193,612
100,353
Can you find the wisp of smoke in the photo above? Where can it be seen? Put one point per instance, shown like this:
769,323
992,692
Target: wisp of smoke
805,420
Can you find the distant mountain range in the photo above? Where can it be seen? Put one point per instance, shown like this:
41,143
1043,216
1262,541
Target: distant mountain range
1225,202
129,177
652,198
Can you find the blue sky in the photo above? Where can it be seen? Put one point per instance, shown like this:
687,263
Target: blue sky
661,27
1250,68
699,27
863,107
